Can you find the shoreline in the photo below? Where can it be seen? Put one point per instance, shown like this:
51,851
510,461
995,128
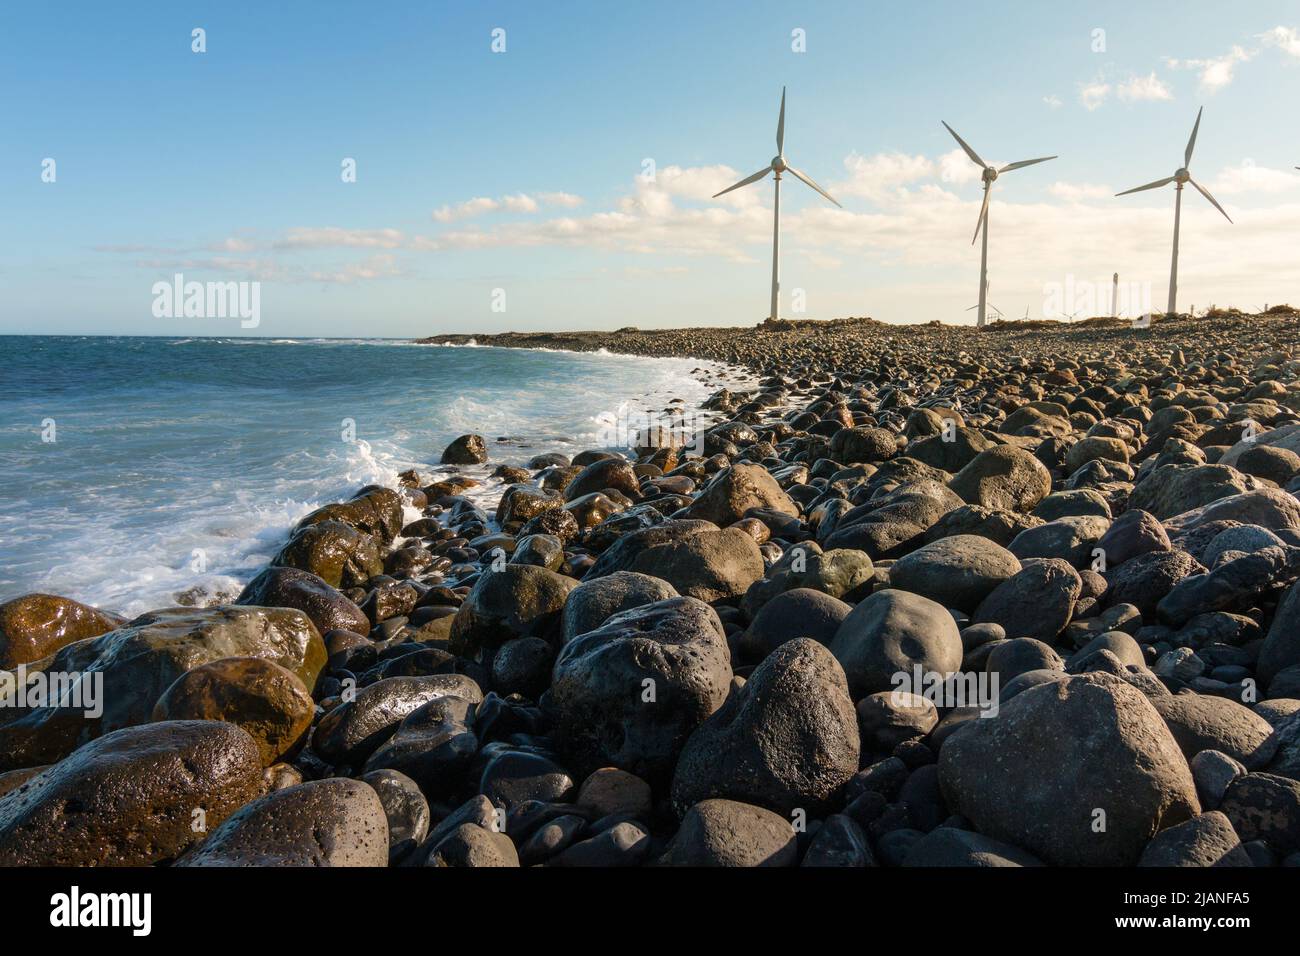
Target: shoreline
1095,527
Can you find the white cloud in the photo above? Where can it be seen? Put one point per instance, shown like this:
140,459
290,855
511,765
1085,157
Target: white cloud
1053,101
1215,72
1246,177
1142,88
956,167
1093,95
517,203
1078,192
883,175
1286,39
324,237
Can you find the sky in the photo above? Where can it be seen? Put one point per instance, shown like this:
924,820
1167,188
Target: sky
535,166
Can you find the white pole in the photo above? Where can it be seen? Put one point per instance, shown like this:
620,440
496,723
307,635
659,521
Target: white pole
984,266
1173,268
776,248
1114,297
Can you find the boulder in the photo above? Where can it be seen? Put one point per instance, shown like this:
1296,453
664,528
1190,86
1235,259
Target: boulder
1037,601
334,822
1063,759
1205,840
327,608
960,571
596,600
629,693
465,450
890,634
948,847
801,612
1003,477
787,739
698,559
839,573
138,662
337,553
272,705
129,798
34,626
737,489
1204,722
729,833
518,600
351,732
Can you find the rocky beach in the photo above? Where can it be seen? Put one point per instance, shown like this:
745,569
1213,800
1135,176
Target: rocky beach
896,596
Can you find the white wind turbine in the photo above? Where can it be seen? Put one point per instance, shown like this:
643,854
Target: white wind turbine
1180,177
777,166
989,175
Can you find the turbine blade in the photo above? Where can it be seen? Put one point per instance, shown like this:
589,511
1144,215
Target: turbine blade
1155,185
1023,163
780,125
1191,143
808,182
1206,193
984,212
974,156
746,181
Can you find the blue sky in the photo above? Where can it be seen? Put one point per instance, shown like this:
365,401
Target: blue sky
522,171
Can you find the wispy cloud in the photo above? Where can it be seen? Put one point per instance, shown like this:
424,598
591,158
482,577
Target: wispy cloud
1053,101
1144,88
517,203
1093,94
1286,39
1218,72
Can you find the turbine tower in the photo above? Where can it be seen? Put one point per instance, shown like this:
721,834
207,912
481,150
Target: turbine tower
1180,177
989,175
777,166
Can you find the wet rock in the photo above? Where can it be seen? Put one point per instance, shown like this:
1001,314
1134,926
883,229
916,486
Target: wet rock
349,733
333,822
697,559
514,777
337,553
608,473
519,600
269,702
405,809
523,666
433,745
36,625
840,842
140,660
128,798
465,450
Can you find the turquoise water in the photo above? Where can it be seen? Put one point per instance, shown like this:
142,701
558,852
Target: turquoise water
179,464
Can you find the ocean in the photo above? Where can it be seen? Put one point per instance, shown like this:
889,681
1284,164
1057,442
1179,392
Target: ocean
137,473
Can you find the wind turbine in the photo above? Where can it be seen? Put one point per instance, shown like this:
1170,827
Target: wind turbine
1180,177
989,175
778,166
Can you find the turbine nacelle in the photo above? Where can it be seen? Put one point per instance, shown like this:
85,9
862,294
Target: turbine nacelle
1182,176
778,164
990,174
